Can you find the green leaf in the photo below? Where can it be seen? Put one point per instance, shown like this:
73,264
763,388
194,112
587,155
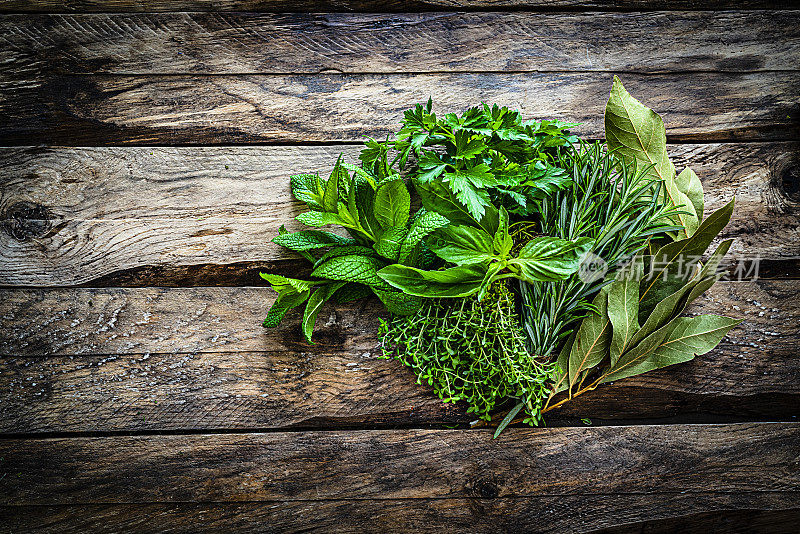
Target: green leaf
668,265
314,305
474,198
285,302
351,291
549,259
623,309
690,185
330,200
502,243
592,340
438,198
319,218
462,245
561,380
390,242
636,133
392,203
458,281
352,268
679,341
365,201
310,240
346,250
422,226
512,413
397,302
282,284
308,188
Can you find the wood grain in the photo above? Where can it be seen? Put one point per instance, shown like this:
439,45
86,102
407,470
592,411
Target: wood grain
73,215
402,464
657,513
249,43
197,359
280,6
247,109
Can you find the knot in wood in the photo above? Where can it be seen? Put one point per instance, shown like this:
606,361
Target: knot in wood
26,220
486,489
790,181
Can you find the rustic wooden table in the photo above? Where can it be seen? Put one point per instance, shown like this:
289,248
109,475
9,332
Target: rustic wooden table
146,150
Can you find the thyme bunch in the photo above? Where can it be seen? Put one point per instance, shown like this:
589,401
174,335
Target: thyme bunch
471,350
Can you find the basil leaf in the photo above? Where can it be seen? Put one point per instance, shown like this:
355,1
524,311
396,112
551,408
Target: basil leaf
462,245
459,281
549,259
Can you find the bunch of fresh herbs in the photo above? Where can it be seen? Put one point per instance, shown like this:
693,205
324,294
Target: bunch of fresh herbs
538,267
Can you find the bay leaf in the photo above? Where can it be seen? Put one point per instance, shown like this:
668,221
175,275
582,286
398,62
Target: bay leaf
679,341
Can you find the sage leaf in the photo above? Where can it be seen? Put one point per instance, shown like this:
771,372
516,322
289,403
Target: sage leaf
679,341
636,133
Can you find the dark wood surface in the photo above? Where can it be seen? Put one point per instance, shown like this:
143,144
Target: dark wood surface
143,171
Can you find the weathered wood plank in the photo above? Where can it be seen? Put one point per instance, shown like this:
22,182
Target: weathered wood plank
72,215
88,360
247,109
657,513
280,6
249,43
402,464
